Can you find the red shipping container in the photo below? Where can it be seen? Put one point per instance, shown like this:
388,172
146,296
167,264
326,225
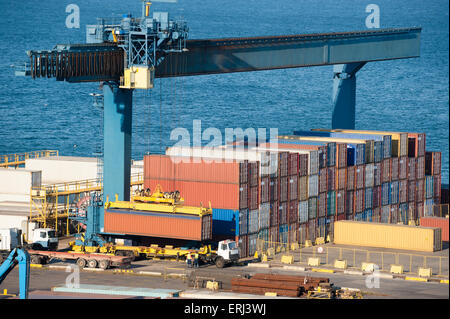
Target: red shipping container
394,168
420,190
283,210
403,191
253,200
265,189
293,211
322,204
340,201
223,196
386,170
350,203
403,167
413,169
283,163
303,188
331,179
242,242
393,217
284,189
340,217
274,189
253,174
274,216
376,174
359,176
376,202
322,150
293,187
293,162
351,178
432,163
419,209
359,200
303,165
164,225
420,167
412,191
323,180
437,188
438,222
341,155
194,169
341,178
312,230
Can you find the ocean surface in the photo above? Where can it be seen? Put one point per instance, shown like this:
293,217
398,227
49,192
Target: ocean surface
402,95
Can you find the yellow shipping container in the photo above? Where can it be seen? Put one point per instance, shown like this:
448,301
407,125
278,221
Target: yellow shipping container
392,236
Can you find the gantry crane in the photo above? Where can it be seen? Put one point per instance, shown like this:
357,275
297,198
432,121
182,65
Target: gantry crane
129,53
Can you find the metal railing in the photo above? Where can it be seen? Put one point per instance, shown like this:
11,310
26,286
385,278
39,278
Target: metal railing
355,258
19,158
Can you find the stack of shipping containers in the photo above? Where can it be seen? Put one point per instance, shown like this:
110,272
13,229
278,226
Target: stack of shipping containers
293,189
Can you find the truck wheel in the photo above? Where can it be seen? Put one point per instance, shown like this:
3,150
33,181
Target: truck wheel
220,262
81,262
35,259
103,264
92,263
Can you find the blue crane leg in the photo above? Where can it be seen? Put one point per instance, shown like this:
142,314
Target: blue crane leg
117,143
344,95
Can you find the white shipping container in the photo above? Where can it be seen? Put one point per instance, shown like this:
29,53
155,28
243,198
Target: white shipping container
264,216
303,212
18,181
369,175
313,185
9,238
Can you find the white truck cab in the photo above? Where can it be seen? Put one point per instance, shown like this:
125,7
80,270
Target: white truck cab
227,252
43,238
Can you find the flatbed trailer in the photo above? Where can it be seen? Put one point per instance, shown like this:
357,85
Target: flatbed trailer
82,259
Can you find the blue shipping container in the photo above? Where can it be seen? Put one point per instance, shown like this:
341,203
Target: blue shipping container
225,222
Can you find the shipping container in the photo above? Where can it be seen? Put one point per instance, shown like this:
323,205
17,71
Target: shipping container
432,163
377,174
385,194
252,244
386,170
341,178
394,192
419,210
412,191
303,188
359,201
385,214
284,234
283,211
303,212
403,213
265,189
253,197
312,208
322,205
330,228
369,175
378,151
274,215
376,215
429,187
403,164
351,177
253,221
437,188
376,199
264,216
331,203
293,233
293,164
419,164
293,211
331,179
394,168
340,201
403,191
321,227
394,214
273,189
263,239
387,236
368,198
439,222
420,190
330,156
18,183
428,207
157,224
243,246
323,180
284,189
293,187
225,222
303,162
253,174
243,222
359,176
416,144
312,230
274,236
302,233
350,203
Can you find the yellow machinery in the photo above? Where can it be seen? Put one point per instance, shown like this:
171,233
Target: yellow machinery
138,77
157,201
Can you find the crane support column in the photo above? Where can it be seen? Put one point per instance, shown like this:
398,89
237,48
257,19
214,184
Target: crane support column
344,95
117,142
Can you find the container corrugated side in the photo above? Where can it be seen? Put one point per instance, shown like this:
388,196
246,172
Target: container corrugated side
155,224
440,222
225,222
303,212
387,236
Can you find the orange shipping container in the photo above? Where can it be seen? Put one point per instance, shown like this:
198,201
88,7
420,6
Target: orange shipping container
221,195
440,222
156,224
